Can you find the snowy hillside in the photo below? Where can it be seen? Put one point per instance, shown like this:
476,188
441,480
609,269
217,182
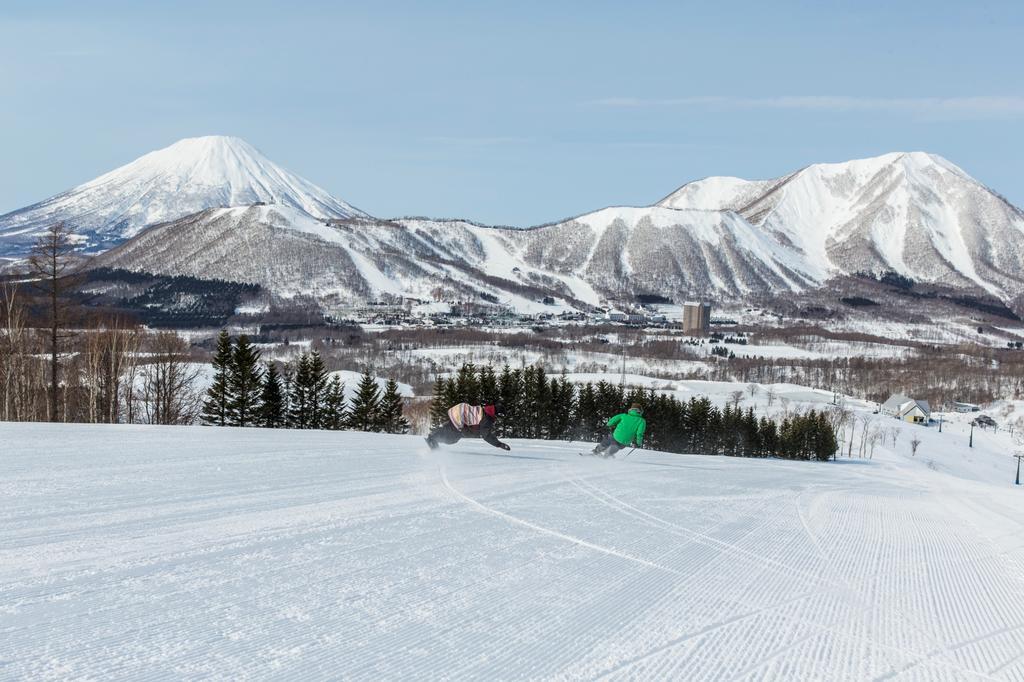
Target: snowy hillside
915,214
131,552
651,250
340,262
189,176
666,251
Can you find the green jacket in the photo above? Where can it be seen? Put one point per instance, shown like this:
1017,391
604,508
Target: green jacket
629,428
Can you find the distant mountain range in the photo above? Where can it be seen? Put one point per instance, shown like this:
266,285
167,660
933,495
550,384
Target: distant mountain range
214,207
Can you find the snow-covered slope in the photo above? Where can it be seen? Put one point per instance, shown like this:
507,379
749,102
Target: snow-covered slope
916,214
615,251
346,261
131,552
665,251
189,176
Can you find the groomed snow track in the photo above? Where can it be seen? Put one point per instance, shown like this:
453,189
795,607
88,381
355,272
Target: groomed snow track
166,553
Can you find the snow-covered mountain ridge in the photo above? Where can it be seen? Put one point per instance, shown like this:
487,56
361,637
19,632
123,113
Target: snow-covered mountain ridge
191,175
208,200
604,254
914,213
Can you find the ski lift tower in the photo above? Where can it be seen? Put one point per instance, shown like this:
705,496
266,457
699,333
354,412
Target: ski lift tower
1019,454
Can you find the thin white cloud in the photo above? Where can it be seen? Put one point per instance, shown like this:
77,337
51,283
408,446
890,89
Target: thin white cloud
958,107
495,141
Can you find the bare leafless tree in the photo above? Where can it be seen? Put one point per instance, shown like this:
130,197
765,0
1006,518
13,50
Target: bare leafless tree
752,389
19,359
876,436
169,393
771,393
854,420
50,263
915,442
838,417
866,421
736,397
110,352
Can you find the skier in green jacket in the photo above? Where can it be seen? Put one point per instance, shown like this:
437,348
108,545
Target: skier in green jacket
627,428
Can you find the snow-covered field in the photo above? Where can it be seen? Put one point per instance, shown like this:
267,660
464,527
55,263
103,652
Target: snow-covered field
131,552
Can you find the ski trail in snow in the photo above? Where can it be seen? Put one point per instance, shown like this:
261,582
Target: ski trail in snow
843,588
548,531
629,509
703,631
293,556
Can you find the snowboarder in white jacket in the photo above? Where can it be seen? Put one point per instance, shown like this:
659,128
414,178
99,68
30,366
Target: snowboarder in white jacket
465,419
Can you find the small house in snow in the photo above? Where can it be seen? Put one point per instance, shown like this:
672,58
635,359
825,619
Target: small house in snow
907,409
891,407
916,412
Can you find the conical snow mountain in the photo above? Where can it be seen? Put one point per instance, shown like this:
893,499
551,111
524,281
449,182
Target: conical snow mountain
191,175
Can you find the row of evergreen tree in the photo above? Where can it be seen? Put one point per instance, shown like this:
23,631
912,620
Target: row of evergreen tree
304,395
539,406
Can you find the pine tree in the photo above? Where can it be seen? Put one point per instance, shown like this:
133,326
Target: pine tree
713,434
365,405
729,434
659,410
271,412
438,405
562,401
610,402
825,443
586,424
391,419
487,386
317,391
698,416
287,381
299,413
769,431
467,387
510,390
244,383
751,445
450,394
335,411
218,396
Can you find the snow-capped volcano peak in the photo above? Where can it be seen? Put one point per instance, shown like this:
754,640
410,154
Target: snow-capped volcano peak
190,175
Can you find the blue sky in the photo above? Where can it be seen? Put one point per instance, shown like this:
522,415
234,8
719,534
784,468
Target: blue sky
510,113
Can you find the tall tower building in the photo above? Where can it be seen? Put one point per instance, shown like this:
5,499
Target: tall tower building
696,317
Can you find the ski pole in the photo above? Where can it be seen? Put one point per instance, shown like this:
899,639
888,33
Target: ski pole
628,454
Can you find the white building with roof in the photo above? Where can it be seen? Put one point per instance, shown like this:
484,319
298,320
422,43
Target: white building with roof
907,409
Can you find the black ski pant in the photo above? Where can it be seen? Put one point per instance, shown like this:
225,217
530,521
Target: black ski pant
609,446
446,434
